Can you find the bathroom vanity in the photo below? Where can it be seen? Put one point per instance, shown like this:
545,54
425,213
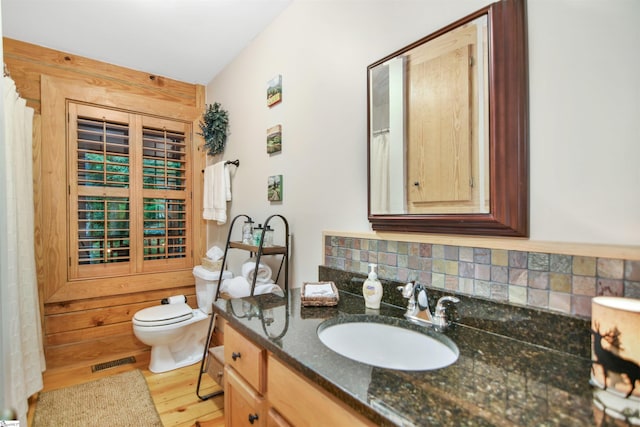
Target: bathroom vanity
278,372
259,388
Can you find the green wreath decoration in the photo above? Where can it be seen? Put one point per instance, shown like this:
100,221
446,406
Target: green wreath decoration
214,126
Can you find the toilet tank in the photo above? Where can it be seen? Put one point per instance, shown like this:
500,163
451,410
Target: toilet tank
206,286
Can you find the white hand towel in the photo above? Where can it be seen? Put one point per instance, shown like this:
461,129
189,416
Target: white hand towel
318,290
217,191
227,177
249,270
268,288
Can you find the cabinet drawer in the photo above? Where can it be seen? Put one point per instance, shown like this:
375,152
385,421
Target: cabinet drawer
245,357
243,406
303,403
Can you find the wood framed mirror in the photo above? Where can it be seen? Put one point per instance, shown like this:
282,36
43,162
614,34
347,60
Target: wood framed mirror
474,179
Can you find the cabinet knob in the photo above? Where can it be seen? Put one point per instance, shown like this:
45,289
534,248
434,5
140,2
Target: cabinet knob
416,183
252,418
235,356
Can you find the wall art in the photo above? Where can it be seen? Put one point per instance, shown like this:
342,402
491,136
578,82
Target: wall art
274,91
274,188
274,139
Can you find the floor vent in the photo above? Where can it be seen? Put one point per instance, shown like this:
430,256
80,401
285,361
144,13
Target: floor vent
113,364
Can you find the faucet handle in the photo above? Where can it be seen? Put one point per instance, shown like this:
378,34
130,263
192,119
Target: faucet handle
440,315
440,307
407,290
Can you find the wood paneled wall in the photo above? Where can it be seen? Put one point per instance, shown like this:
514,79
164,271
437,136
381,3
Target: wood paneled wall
98,329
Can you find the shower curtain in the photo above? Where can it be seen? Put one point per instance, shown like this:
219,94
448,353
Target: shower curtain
380,173
23,357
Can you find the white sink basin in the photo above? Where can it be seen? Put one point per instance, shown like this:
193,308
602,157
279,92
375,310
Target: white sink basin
374,341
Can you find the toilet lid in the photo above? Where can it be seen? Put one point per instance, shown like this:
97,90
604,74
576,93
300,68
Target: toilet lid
164,314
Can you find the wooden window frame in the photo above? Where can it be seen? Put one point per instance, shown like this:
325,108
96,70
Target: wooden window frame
135,192
58,285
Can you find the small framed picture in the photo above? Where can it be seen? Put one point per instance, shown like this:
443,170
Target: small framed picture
274,91
274,139
274,188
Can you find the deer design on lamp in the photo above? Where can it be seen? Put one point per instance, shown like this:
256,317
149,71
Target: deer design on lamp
609,360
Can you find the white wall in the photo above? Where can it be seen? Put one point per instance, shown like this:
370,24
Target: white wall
585,110
585,120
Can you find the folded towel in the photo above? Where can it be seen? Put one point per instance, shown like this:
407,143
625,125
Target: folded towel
239,287
318,290
215,253
216,192
268,288
249,270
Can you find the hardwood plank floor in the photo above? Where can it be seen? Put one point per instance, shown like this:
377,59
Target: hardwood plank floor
173,392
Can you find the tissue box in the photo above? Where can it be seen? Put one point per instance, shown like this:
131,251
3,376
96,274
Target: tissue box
211,265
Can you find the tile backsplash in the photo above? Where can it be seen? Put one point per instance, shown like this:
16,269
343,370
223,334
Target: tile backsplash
549,281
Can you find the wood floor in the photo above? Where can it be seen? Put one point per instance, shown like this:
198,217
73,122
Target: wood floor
173,392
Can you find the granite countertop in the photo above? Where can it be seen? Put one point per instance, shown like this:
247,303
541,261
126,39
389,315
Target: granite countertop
497,381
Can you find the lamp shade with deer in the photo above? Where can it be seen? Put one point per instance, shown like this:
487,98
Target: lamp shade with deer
615,355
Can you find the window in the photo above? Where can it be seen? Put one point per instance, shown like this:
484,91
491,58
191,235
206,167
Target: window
129,192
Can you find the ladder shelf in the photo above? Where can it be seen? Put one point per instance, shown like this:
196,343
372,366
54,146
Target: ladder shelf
260,250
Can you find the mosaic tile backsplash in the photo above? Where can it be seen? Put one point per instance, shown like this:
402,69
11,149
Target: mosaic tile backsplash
555,282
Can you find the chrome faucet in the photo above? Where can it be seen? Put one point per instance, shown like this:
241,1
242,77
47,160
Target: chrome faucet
418,308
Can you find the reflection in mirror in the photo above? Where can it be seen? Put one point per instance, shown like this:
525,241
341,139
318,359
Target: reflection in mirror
448,129
272,310
429,133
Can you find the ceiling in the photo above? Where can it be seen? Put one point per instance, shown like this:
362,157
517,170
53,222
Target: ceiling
186,40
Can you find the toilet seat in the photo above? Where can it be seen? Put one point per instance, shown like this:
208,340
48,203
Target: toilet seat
165,314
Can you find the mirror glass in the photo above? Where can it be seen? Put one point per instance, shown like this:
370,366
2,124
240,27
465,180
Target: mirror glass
447,140
429,126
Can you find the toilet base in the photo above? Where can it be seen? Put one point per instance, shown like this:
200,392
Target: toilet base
162,360
184,350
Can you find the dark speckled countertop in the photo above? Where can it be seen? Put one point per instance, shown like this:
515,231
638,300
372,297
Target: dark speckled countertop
497,380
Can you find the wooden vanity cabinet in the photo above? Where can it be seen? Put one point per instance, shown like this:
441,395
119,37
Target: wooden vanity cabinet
260,390
303,403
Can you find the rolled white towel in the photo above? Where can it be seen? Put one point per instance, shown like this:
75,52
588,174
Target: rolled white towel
239,287
249,270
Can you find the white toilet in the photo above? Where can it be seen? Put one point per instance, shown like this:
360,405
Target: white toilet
176,332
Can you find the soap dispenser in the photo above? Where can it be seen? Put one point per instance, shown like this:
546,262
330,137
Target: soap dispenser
372,289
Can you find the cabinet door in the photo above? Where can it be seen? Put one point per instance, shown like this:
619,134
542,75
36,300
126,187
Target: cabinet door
306,404
243,406
443,150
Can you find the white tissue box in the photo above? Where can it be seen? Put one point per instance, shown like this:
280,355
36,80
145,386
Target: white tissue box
211,265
